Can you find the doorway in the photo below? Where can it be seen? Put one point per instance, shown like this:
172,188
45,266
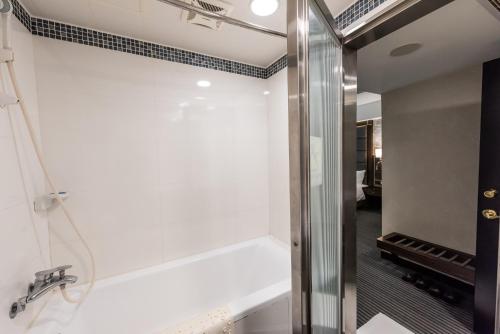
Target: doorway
418,229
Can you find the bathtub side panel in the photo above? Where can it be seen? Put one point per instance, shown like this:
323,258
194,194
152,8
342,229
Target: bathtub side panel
272,319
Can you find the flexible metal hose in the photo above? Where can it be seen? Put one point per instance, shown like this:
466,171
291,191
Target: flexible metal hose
51,183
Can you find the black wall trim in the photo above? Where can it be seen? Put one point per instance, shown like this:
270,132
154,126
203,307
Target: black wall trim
277,66
22,14
357,10
65,32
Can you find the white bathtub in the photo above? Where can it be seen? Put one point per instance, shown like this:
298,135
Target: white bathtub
252,278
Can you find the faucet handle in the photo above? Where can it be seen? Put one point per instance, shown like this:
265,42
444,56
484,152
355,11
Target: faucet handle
47,274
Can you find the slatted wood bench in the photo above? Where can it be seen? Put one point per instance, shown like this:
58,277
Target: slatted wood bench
438,258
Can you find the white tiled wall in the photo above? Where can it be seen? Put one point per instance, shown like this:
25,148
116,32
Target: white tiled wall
279,189
24,247
156,167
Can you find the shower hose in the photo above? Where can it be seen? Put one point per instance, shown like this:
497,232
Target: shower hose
6,32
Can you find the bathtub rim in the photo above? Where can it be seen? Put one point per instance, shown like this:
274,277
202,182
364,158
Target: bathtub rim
259,299
128,276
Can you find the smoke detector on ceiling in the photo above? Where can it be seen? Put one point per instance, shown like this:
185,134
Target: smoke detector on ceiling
405,50
213,6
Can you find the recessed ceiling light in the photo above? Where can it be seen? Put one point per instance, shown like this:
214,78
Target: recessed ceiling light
264,7
267,92
204,83
200,98
404,50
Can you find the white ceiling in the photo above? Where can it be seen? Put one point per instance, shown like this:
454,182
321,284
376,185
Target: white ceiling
161,23
460,34
366,98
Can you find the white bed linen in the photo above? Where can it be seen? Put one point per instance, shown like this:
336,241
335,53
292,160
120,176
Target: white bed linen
360,175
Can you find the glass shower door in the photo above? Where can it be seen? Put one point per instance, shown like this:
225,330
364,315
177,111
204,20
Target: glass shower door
325,131
323,288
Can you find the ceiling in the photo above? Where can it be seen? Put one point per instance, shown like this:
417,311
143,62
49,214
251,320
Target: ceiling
460,34
161,23
367,98
338,6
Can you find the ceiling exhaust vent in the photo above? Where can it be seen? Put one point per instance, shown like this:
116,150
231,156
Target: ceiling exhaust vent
213,6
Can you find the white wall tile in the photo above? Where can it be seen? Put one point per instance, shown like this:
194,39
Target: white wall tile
279,189
12,189
157,168
24,246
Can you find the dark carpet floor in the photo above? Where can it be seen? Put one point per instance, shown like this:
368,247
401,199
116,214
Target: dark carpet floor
381,290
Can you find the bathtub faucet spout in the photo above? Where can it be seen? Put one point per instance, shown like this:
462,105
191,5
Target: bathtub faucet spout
45,281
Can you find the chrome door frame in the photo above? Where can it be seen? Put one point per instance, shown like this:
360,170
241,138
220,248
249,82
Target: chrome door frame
298,133
349,255
298,110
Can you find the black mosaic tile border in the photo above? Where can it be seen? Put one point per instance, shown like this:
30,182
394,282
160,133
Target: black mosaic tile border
69,33
21,13
355,11
277,66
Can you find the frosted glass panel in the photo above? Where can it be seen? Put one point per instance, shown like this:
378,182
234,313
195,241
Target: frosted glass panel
325,106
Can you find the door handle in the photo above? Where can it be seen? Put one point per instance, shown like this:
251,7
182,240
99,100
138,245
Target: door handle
490,193
490,214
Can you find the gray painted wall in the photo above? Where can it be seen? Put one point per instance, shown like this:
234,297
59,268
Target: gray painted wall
431,159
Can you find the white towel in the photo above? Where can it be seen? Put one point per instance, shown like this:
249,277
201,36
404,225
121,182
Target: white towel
217,321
